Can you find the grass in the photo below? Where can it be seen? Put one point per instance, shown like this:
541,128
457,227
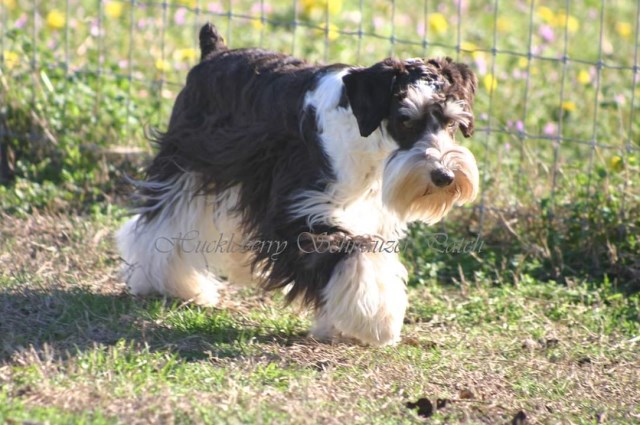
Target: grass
542,323
77,349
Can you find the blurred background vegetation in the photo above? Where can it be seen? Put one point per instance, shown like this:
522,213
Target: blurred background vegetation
558,140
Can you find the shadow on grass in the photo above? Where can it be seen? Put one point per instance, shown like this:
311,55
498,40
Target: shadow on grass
77,320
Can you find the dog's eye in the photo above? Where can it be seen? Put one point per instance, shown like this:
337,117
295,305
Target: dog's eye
406,120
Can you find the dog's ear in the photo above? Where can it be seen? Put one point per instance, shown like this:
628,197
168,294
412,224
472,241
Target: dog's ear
463,86
468,86
369,92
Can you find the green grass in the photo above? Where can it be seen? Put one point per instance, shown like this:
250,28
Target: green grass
77,349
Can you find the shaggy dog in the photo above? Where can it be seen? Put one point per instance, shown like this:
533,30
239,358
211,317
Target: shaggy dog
286,174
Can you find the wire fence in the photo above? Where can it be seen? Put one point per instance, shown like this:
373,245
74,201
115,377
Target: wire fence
556,105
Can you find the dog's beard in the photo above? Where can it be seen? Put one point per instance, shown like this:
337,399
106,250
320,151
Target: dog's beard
407,188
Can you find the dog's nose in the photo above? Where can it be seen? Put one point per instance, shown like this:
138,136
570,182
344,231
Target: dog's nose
442,177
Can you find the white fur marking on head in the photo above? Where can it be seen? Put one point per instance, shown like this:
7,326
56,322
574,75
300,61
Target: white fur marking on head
414,61
418,97
454,110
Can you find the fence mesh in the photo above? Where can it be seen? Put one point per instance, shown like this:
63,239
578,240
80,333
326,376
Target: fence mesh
556,105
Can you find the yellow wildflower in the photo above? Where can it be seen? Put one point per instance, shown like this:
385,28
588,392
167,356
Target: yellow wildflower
10,4
113,9
468,46
563,20
185,55
471,48
503,24
490,82
188,3
546,14
333,32
523,62
624,29
616,163
438,23
257,24
584,77
55,19
314,7
569,106
11,59
162,65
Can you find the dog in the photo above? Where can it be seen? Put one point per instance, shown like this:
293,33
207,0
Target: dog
285,174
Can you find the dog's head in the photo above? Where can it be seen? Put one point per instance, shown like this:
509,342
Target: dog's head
420,106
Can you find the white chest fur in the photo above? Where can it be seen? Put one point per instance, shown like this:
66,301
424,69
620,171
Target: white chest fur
354,200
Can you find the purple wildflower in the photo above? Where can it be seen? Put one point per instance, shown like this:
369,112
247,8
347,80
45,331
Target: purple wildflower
180,17
21,21
550,129
547,34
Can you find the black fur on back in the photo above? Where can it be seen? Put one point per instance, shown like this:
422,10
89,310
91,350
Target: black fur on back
240,122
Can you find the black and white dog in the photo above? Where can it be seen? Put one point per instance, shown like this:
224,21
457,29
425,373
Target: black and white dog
291,165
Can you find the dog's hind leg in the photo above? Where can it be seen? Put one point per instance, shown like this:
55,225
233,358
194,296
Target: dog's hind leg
159,258
175,252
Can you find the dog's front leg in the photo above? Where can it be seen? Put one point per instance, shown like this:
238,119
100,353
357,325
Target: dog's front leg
365,299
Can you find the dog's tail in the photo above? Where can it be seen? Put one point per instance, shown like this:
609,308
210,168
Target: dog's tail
210,40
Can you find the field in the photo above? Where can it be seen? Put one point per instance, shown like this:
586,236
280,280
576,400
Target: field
540,324
77,349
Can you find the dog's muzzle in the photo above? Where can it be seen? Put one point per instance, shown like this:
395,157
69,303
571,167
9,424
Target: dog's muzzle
442,177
